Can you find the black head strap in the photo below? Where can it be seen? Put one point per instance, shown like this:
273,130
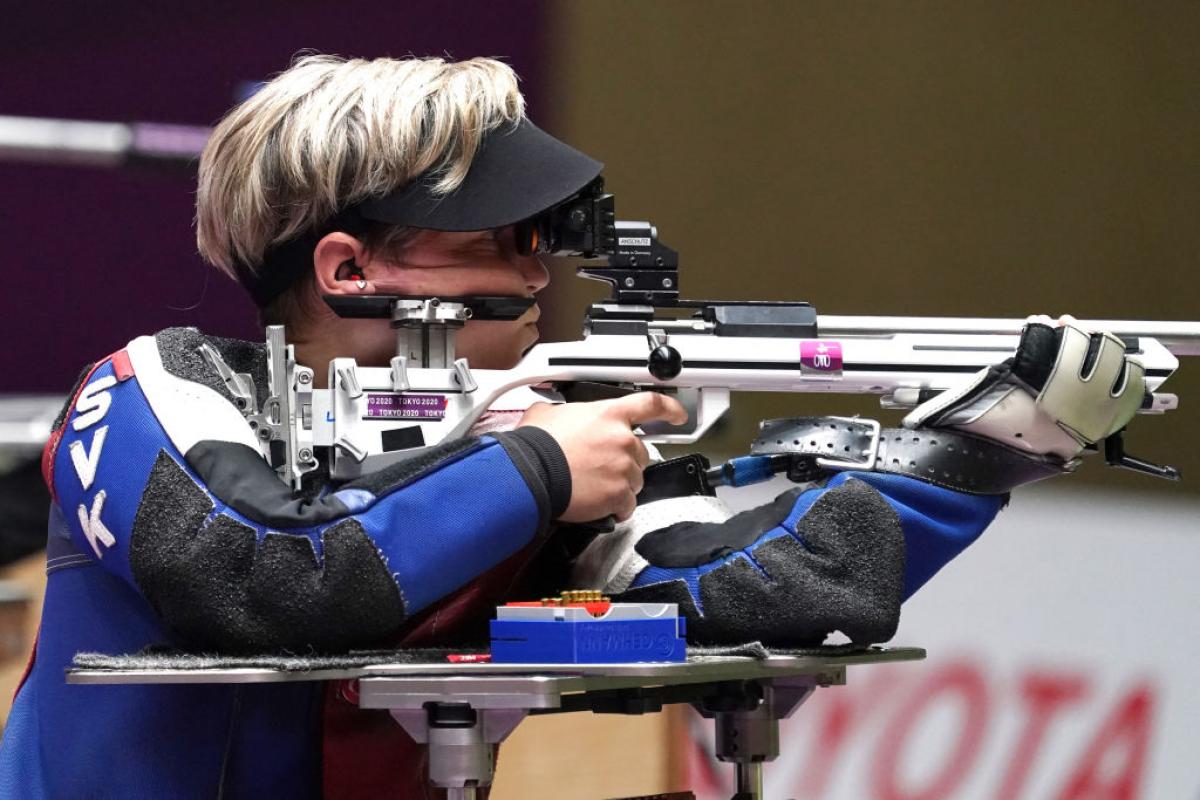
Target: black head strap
286,262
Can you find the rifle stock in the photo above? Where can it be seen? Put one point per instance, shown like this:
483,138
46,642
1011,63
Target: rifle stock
902,360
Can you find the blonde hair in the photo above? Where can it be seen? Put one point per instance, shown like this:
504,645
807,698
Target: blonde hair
328,133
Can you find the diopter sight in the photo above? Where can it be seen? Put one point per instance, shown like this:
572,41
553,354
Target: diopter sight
640,269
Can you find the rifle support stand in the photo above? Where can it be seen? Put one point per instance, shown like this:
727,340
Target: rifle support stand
747,715
462,742
461,711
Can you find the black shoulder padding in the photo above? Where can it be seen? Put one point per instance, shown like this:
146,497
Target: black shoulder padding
179,349
237,474
847,575
691,544
247,357
66,409
219,588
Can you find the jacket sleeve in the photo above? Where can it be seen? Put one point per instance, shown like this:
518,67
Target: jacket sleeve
938,523
840,557
934,523
161,482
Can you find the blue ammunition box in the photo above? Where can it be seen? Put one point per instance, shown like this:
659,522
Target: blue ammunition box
627,633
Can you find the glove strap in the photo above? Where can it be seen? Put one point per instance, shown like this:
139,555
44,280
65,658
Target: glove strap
823,445
677,477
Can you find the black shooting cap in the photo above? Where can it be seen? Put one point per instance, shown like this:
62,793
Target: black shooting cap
518,172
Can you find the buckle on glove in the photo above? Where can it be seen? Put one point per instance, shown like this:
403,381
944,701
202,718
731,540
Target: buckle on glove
833,443
870,452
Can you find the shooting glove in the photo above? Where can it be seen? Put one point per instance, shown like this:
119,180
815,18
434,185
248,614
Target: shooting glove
786,573
1063,389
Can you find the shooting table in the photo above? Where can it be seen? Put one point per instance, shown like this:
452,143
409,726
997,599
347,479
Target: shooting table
459,711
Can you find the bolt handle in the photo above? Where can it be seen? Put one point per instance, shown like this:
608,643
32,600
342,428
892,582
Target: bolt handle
665,362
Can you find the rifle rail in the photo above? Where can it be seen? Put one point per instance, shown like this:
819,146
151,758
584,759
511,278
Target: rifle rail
1181,338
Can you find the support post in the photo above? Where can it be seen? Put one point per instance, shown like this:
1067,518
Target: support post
746,715
461,741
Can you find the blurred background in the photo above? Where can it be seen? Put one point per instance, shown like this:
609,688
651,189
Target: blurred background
938,158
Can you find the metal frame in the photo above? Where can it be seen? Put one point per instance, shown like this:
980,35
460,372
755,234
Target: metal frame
461,711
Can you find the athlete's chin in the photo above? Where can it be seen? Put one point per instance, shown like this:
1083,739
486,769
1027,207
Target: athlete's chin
531,339
503,354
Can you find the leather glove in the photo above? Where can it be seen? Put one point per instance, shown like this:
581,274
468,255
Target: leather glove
1063,389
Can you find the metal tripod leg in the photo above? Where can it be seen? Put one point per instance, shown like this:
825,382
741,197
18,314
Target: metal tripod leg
749,780
461,741
747,715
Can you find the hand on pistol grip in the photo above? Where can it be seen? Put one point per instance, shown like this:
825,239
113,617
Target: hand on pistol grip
604,455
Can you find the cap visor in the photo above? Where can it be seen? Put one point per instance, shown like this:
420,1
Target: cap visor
517,173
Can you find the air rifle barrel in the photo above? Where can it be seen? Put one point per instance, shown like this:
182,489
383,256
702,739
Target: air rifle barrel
1181,338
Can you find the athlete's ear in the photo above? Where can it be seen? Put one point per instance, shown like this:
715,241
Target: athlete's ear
337,261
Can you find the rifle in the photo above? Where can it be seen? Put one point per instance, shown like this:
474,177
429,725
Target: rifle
643,337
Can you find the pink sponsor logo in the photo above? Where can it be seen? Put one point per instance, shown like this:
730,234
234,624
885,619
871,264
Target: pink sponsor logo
820,355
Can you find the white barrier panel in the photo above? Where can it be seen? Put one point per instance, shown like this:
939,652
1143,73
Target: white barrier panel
1063,654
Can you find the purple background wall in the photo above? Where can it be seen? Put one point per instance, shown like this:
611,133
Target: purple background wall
93,257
